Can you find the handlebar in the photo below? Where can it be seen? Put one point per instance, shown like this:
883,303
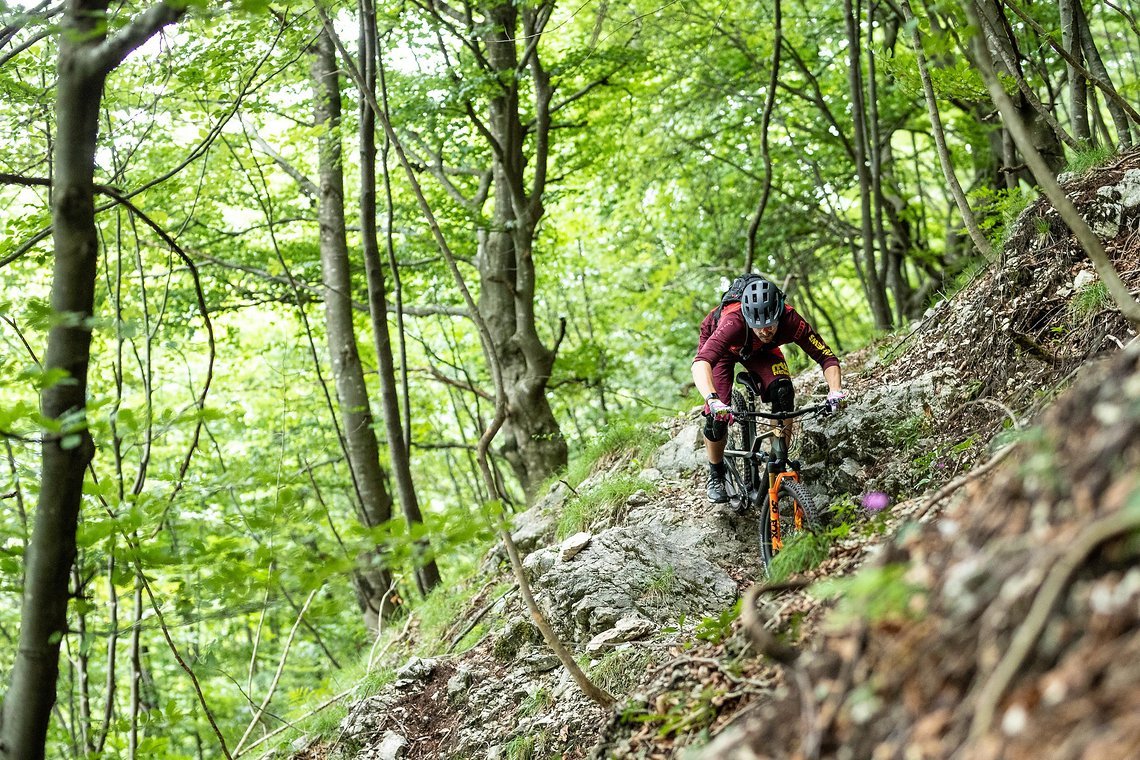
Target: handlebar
781,416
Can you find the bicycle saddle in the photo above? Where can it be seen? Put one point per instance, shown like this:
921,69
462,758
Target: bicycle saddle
748,381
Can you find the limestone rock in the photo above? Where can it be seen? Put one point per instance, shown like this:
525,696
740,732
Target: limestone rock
664,572
1083,278
534,526
391,747
458,683
1129,188
415,669
629,628
574,544
684,452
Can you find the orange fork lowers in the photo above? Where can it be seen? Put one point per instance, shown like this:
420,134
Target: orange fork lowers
773,504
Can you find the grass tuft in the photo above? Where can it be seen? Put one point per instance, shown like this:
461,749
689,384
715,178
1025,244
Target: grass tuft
641,439
1084,160
1089,300
802,551
618,670
596,506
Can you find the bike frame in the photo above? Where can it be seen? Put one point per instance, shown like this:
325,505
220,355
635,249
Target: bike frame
756,456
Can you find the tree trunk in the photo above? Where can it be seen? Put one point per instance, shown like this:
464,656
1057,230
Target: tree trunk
373,579
765,122
1078,87
426,571
533,442
1097,67
1000,38
876,293
980,241
1117,290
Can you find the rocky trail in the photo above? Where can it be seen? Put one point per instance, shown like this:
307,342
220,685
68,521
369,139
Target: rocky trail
990,611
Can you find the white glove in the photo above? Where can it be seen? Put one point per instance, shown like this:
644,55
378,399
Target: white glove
834,399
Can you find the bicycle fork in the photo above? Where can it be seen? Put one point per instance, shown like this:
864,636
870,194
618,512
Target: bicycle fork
775,480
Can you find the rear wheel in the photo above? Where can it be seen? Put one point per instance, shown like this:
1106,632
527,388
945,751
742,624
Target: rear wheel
796,512
740,473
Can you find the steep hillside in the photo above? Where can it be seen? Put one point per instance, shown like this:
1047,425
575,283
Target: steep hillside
990,611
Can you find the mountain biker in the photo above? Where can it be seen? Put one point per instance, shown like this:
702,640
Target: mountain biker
750,332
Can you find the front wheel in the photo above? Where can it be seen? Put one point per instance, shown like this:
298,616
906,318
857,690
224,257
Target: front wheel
794,512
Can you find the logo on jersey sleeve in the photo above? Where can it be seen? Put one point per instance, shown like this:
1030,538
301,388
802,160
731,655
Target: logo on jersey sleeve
820,345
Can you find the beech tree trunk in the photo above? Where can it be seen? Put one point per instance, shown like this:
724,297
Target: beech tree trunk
533,442
1000,39
1078,86
374,504
1097,67
869,271
426,570
86,58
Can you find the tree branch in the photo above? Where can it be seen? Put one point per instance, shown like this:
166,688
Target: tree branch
108,54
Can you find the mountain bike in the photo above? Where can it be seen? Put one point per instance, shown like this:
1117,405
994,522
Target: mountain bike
755,477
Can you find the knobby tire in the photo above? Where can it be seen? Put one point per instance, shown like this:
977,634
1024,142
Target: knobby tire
791,496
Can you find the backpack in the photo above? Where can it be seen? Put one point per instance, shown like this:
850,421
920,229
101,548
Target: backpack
732,295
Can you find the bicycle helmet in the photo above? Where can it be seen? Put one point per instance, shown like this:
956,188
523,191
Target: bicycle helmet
761,303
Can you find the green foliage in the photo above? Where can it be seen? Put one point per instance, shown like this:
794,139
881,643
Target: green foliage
661,585
874,594
802,551
716,629
941,462
906,434
537,703
687,710
237,512
530,746
621,437
997,210
594,507
520,748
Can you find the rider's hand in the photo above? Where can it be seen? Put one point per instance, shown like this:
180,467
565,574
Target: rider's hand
834,399
720,411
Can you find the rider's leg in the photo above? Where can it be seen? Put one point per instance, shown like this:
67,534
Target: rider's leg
716,433
783,396
771,369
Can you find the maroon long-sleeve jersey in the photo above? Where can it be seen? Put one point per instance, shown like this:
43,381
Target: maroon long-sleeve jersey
727,339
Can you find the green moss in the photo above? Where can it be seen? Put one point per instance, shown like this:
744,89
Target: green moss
506,646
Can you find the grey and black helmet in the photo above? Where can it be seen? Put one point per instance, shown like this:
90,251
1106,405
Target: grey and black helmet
761,303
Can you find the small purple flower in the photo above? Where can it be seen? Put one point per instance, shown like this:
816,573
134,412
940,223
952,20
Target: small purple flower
875,501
